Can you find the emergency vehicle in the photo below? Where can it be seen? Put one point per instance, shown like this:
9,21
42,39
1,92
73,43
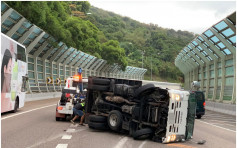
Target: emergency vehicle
71,95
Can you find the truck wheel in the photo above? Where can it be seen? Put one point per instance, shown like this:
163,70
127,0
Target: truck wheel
145,88
16,105
101,81
96,125
57,118
142,133
115,120
199,116
132,128
99,87
95,118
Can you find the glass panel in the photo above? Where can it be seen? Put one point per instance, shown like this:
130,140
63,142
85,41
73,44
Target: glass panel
219,72
229,62
212,74
219,64
47,64
205,75
67,73
7,23
40,68
215,39
233,39
221,45
15,16
227,51
48,70
200,38
228,32
39,62
61,72
208,33
31,74
229,81
199,76
54,71
30,66
229,71
30,60
221,25
27,24
205,83
211,82
219,82
55,77
40,76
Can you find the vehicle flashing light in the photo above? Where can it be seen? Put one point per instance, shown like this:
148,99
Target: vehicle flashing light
60,107
204,103
168,139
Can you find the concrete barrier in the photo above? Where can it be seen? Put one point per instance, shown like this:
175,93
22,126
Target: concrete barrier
213,106
225,108
42,96
163,84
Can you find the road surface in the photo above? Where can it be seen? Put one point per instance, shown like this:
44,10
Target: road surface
34,126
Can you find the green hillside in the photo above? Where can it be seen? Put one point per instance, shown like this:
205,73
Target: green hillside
105,34
160,45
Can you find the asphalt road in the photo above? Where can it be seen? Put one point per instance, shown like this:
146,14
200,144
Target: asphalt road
34,126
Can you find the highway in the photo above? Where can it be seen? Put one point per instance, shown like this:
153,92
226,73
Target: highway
34,126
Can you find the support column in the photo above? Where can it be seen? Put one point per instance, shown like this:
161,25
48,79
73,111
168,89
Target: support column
202,78
215,80
222,79
234,83
15,27
208,79
6,14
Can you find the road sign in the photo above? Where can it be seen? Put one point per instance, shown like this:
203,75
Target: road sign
79,70
49,80
58,81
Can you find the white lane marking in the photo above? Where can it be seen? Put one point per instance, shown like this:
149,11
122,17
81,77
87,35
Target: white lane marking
62,146
217,126
71,130
43,141
27,111
143,143
67,137
121,142
221,121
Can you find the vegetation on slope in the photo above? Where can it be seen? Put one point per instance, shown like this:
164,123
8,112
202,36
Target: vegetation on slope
105,34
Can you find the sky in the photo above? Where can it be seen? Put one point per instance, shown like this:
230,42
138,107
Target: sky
193,16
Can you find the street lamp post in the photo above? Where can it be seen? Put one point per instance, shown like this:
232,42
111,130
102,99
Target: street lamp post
151,65
143,52
151,68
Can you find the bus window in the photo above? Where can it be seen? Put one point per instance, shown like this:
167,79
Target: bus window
23,87
21,55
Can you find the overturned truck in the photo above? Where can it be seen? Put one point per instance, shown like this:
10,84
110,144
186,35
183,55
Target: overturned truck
147,111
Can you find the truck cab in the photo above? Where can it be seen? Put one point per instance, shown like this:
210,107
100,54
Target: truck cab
200,99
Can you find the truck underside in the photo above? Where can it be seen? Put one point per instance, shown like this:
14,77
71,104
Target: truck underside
118,104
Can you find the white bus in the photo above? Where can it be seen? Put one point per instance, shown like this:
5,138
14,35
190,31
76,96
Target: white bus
13,74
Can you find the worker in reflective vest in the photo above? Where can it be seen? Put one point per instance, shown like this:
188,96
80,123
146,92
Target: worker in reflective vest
78,110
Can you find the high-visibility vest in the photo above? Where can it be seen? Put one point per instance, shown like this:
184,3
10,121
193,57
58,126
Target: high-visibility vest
83,104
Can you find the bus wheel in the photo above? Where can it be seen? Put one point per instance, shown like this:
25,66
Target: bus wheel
16,105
